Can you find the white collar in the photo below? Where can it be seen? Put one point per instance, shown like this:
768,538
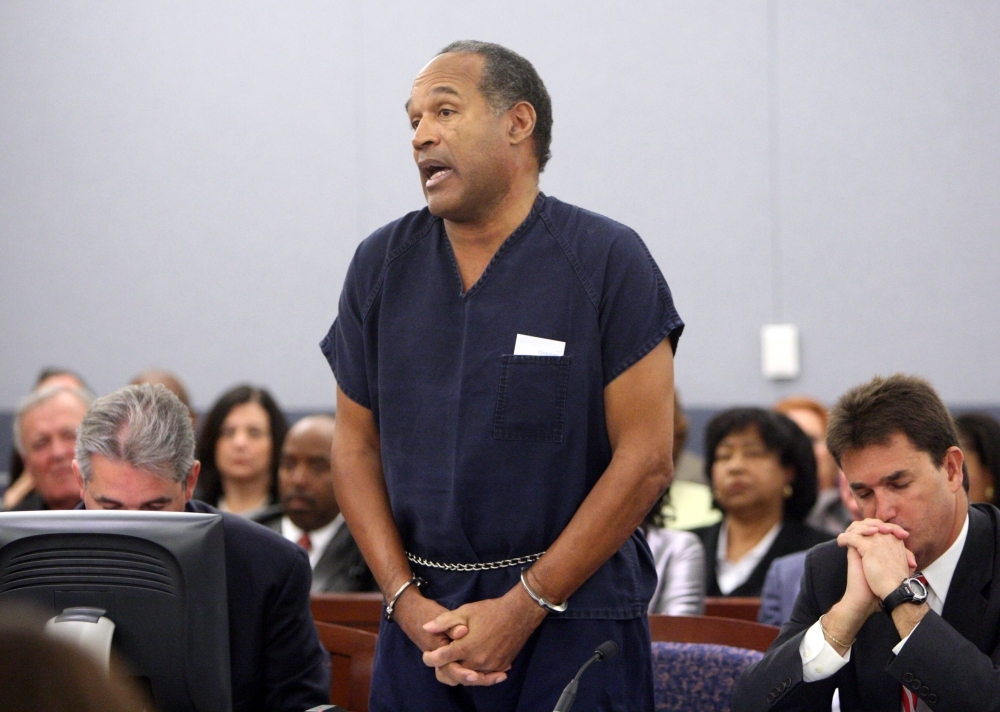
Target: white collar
319,538
730,575
940,572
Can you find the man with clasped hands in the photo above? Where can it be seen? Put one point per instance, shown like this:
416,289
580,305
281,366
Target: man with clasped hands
902,612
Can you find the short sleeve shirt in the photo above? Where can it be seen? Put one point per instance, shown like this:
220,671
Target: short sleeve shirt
486,454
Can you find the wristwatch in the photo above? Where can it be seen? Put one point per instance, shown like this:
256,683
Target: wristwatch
912,590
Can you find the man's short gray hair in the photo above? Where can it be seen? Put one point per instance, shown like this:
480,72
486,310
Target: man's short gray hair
35,399
145,426
508,78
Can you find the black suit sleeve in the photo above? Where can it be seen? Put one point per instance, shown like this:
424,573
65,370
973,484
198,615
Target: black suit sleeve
775,682
296,668
963,679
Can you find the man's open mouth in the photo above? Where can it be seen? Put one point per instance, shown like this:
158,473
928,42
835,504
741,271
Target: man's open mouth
434,172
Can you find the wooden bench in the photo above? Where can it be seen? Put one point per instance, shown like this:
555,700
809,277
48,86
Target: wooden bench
352,653
743,608
709,629
355,610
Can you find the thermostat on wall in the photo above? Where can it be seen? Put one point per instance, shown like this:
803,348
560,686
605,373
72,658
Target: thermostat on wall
779,351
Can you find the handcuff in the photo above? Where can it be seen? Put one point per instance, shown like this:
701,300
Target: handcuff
390,605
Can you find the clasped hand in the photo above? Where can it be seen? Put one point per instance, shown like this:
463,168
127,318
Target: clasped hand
474,644
877,561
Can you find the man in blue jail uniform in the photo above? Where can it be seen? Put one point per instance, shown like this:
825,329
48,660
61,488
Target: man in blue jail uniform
504,364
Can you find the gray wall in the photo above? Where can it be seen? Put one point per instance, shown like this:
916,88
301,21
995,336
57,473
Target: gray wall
183,184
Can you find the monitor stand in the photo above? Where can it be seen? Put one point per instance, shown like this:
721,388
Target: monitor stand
86,628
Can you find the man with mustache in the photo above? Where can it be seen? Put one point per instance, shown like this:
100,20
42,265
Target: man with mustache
308,514
504,364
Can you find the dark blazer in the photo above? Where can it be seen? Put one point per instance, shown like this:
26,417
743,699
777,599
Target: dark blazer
340,569
781,588
949,659
276,660
794,536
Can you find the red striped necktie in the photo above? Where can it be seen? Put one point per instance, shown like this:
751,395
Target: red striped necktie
910,696
306,543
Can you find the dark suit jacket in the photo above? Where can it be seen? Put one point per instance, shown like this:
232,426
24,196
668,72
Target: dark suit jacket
340,569
794,536
32,502
276,659
781,588
949,659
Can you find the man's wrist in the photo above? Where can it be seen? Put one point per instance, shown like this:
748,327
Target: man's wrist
906,615
843,621
527,604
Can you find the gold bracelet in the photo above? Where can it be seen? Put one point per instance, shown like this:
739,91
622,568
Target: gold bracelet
827,634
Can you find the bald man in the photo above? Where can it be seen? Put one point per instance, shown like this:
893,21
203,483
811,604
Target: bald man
308,514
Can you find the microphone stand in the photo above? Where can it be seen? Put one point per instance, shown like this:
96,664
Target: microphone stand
568,697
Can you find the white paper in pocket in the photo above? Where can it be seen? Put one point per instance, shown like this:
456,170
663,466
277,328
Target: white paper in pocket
536,346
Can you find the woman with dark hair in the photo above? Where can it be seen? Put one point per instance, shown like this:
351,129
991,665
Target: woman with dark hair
979,436
239,449
763,475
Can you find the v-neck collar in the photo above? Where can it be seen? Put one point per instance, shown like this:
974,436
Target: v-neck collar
504,246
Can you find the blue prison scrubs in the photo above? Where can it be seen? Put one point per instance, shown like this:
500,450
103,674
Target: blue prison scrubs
487,455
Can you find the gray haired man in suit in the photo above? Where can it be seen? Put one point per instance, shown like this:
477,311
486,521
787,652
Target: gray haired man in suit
309,515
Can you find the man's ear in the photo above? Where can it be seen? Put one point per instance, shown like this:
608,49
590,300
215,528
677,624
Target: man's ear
952,464
79,477
191,481
522,122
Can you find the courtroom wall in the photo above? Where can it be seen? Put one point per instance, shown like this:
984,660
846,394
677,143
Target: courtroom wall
183,184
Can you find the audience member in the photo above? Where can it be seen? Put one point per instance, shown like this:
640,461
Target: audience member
678,555
784,577
239,449
680,567
41,674
979,436
48,378
902,612
763,475
135,450
45,434
809,414
169,381
309,515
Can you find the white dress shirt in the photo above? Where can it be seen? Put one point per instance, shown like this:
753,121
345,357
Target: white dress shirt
319,538
820,660
730,575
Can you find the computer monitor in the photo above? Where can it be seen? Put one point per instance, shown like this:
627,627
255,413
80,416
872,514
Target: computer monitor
160,577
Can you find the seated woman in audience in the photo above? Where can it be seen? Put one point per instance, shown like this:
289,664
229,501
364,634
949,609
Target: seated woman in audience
763,475
680,565
678,555
979,436
239,449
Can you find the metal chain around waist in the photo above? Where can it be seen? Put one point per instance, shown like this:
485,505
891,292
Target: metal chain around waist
486,566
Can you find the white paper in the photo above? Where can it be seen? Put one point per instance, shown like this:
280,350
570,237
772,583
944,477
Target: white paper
536,346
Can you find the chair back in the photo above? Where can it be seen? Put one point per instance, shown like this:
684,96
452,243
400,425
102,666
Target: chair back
742,607
695,676
708,629
356,610
352,653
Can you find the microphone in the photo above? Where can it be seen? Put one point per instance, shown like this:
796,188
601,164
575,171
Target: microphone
605,651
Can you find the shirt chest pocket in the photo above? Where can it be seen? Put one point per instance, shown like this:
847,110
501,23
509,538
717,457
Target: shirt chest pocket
531,400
